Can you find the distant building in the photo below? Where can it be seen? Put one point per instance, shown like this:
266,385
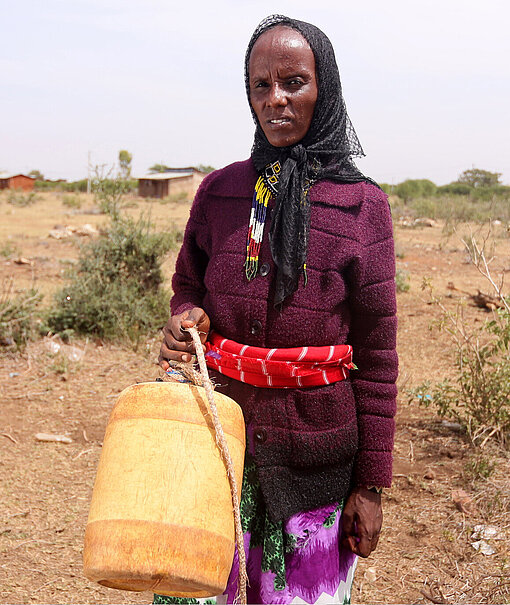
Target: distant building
176,180
16,181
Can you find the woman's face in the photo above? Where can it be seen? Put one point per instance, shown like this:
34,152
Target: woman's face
283,85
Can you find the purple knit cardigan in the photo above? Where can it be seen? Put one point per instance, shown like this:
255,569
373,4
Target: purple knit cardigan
310,445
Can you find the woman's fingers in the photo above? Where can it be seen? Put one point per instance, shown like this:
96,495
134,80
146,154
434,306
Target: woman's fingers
197,317
177,343
361,521
365,545
175,353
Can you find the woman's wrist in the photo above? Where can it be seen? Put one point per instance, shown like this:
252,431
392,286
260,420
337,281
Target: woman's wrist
375,488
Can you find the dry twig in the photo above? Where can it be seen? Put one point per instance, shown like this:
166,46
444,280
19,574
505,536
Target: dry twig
10,437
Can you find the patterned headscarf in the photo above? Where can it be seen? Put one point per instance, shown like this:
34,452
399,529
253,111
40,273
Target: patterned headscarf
325,152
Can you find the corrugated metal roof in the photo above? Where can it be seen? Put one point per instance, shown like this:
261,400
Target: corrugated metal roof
165,176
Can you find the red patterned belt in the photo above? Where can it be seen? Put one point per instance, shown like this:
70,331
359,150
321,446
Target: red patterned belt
279,368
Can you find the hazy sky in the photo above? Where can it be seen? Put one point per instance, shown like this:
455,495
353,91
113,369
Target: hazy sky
427,83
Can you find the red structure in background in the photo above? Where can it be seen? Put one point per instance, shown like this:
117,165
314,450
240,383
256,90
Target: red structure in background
17,181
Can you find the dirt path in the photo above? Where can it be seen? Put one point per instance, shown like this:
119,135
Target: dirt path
425,553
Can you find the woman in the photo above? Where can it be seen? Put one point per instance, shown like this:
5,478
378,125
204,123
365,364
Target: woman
294,248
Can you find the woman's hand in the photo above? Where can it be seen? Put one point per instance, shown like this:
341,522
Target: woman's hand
177,344
361,521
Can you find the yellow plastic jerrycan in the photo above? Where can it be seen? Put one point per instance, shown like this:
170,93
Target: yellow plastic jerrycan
161,515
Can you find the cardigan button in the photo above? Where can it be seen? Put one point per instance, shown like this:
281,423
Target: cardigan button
260,435
265,269
256,327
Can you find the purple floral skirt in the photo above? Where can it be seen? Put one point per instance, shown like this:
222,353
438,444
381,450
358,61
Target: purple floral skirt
296,561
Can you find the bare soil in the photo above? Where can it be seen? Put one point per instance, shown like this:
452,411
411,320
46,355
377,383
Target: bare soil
425,552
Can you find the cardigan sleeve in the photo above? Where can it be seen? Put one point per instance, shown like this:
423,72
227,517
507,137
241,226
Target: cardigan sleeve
373,337
188,279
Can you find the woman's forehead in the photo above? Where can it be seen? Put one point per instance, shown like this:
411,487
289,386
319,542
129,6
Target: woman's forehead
280,36
281,44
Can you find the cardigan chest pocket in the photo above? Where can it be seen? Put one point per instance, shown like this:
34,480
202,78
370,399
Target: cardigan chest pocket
324,428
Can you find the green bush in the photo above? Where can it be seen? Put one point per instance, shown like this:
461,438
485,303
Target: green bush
72,201
402,280
425,207
80,186
455,189
115,290
110,194
456,208
478,395
46,186
490,193
411,189
17,316
408,190
16,197
427,187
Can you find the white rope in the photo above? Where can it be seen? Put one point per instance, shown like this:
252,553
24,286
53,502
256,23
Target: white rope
223,447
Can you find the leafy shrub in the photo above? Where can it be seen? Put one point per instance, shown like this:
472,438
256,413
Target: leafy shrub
115,290
455,189
17,317
411,189
19,198
408,190
480,467
402,280
478,396
46,186
80,186
72,201
427,187
425,207
110,193
489,193
454,208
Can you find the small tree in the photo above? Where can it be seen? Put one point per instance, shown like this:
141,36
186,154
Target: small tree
36,174
125,164
479,178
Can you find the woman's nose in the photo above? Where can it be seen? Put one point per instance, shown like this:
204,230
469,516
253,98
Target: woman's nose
277,95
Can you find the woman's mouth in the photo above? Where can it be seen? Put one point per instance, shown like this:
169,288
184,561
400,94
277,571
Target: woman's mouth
279,121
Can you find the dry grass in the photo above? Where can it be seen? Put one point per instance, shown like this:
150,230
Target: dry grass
25,231
425,553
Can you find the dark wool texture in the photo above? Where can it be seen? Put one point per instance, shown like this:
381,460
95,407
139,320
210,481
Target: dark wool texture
310,445
325,153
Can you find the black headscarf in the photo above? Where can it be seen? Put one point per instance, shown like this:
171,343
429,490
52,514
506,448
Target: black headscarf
325,152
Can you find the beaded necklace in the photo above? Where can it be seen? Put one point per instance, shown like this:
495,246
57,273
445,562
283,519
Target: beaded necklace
266,187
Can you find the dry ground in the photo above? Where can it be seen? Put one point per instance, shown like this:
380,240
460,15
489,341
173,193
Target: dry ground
425,553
